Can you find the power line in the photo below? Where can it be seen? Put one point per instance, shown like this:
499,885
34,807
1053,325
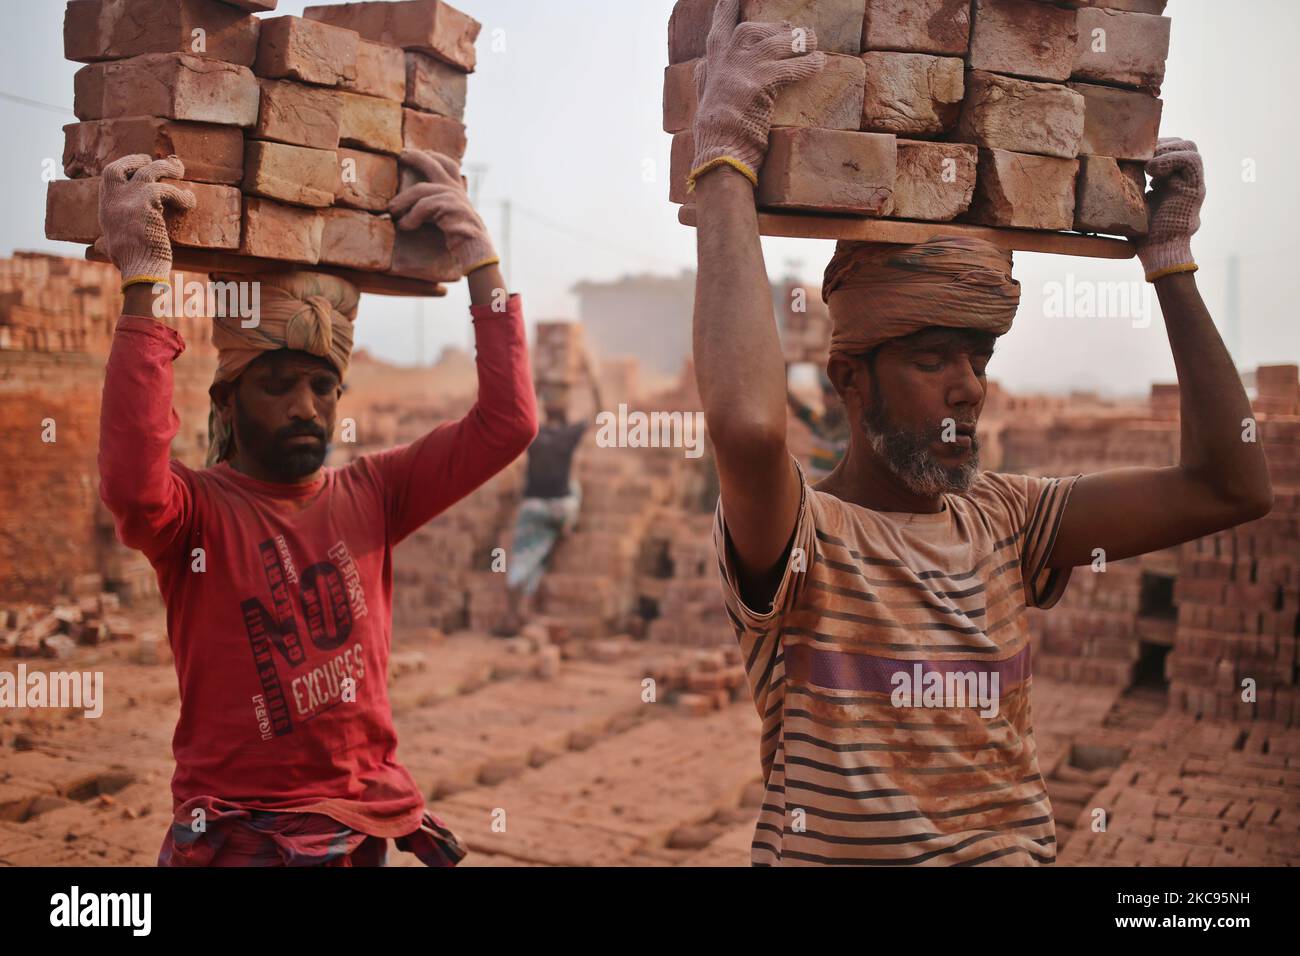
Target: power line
36,103
599,242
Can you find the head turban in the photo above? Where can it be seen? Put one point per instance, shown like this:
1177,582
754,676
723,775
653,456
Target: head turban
307,311
879,291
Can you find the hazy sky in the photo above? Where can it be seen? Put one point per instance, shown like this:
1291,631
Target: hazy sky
565,114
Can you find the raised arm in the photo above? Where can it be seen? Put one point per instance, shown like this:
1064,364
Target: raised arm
1221,478
434,472
739,366
149,502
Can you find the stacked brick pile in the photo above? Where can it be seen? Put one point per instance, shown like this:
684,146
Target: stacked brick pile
289,127
805,323
687,600
701,683
89,616
1027,114
1234,608
457,543
56,318
557,360
50,304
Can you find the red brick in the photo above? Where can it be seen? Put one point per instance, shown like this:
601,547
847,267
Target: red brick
274,230
429,131
211,153
1023,38
680,97
837,23
1024,191
829,170
357,240
381,71
292,48
427,25
72,214
423,254
688,28
911,93
368,122
1107,199
365,180
935,181
172,85
435,87
1022,116
1136,47
95,30
940,27
830,100
1120,123
72,210
1156,7
297,114
292,174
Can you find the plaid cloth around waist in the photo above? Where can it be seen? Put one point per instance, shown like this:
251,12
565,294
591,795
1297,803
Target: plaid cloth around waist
237,836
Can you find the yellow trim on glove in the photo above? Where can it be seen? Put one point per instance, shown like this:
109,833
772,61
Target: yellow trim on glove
1172,270
712,164
494,261
152,280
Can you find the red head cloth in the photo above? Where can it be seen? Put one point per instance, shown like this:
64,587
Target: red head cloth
879,291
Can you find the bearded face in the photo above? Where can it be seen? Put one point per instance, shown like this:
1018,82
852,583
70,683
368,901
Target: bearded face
911,456
933,449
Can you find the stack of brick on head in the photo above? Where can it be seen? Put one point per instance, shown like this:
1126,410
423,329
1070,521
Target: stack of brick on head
879,612
277,571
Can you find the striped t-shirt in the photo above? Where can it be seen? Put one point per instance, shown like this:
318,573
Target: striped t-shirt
882,604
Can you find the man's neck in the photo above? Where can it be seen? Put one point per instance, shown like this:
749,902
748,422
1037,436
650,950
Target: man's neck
865,480
258,473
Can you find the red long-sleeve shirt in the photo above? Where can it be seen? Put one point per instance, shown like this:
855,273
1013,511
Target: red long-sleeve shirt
281,626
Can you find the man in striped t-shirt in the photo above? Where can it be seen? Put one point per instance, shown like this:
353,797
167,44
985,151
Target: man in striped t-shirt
880,612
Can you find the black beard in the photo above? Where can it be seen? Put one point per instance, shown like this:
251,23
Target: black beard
274,455
909,456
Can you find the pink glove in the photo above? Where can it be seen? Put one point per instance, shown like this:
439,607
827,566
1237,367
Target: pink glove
444,199
738,79
131,202
1174,208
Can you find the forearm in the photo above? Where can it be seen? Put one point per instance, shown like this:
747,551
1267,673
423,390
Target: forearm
1214,405
487,287
739,366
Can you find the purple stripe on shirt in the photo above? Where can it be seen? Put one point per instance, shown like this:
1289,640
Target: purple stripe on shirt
838,670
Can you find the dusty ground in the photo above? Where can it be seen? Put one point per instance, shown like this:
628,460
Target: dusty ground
588,774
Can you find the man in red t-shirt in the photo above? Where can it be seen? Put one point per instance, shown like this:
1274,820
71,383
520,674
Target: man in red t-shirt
276,571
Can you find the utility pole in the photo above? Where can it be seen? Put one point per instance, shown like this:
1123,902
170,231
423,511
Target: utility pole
421,320
1232,307
477,173
505,240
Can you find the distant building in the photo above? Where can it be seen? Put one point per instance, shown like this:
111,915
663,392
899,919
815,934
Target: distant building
646,316
649,317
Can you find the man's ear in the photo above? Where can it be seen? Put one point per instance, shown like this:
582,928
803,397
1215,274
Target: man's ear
843,374
223,397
